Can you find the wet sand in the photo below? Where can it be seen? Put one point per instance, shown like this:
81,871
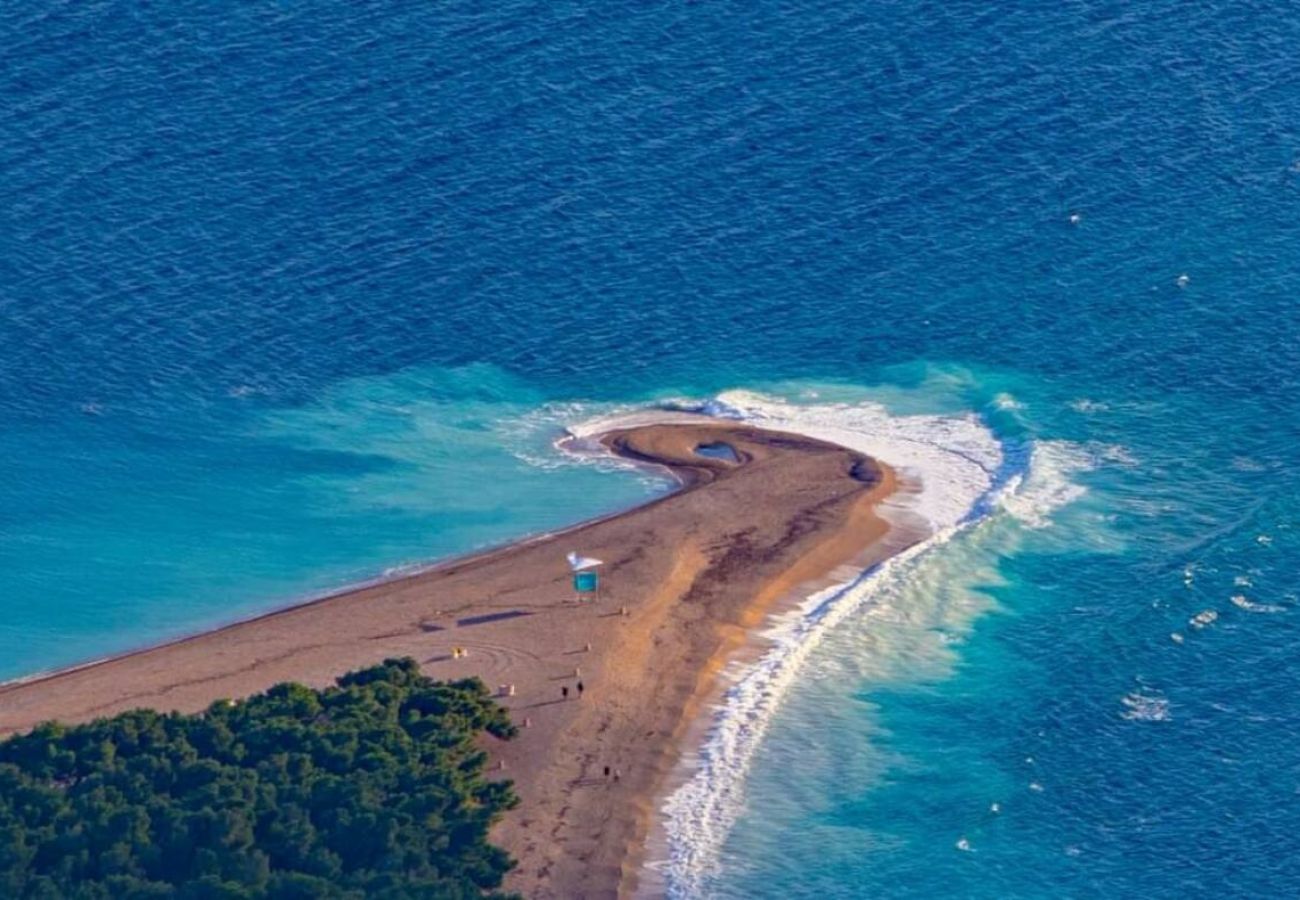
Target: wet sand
687,580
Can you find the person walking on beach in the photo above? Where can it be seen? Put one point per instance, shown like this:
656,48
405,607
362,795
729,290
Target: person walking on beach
564,692
606,772
580,690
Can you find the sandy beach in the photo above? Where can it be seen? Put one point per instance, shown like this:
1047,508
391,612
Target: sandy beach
688,580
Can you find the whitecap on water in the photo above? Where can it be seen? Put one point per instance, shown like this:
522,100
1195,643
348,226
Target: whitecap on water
1243,602
1085,405
1049,484
1117,454
1145,707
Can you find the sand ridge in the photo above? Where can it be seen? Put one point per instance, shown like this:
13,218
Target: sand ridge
696,572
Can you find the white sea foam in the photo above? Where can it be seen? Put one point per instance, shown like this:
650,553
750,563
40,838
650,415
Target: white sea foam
402,570
1243,602
1116,454
1145,706
1048,485
963,473
1084,405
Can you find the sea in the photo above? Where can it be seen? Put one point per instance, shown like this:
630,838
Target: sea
293,296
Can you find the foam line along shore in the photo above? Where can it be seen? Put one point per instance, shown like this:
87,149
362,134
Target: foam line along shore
953,469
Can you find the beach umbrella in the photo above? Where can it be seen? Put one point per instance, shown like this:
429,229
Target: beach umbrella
578,563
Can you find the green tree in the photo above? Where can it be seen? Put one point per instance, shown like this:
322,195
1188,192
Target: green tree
371,788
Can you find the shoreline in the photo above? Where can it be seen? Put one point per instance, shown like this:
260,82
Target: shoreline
387,577
409,571
692,577
904,531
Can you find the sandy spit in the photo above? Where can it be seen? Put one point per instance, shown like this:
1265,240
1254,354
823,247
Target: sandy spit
687,580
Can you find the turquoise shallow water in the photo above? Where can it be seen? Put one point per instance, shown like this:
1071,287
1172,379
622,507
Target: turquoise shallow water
123,534
1028,710
290,297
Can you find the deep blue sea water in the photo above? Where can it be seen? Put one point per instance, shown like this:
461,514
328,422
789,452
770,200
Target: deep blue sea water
291,296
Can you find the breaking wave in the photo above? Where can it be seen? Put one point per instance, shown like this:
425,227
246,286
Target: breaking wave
961,474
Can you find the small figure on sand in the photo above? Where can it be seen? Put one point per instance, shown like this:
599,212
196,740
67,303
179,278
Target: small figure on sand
580,690
606,771
564,692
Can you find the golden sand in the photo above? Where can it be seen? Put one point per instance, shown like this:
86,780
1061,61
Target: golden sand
697,571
